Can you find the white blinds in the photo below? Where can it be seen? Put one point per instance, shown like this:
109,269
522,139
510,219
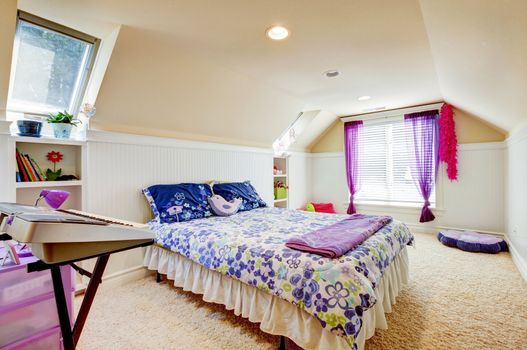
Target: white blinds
385,164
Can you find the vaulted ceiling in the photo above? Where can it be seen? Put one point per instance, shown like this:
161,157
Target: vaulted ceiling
205,68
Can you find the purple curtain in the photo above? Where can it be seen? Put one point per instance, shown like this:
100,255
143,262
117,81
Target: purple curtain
422,135
352,145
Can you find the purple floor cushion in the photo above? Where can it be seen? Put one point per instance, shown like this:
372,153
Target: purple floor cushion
471,241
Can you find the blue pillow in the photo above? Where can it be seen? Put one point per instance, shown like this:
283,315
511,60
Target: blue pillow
181,202
243,190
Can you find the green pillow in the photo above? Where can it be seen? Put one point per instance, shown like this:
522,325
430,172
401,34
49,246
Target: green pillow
310,207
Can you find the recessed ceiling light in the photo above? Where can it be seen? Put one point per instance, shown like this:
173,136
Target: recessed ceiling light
332,73
277,33
364,98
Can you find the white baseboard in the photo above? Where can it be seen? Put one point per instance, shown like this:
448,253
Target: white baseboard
520,263
124,276
417,228
120,278
420,228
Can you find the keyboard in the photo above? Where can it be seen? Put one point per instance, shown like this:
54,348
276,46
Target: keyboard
67,235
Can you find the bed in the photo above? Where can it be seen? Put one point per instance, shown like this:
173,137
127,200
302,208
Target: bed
241,261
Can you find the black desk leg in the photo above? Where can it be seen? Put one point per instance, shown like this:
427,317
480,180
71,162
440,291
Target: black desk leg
87,301
282,343
62,308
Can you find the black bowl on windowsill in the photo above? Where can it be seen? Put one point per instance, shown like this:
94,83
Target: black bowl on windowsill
31,128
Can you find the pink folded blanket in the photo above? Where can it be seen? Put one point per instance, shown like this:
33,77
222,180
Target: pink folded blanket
336,240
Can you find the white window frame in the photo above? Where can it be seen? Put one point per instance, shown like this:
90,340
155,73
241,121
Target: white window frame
392,115
82,79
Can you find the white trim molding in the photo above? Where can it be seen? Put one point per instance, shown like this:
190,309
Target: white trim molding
482,146
520,263
328,155
132,139
124,276
392,112
516,191
5,127
517,136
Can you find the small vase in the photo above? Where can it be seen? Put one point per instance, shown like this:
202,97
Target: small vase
62,130
29,128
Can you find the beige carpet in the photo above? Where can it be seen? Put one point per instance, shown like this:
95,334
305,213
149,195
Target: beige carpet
455,300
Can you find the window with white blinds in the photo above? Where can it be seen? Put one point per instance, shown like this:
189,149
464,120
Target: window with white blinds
385,164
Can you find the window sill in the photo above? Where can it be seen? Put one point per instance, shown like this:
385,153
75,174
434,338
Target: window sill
394,205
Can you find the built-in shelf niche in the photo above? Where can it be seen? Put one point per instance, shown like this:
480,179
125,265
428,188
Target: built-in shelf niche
71,164
281,163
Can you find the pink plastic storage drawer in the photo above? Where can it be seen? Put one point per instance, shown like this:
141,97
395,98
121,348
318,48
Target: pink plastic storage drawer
17,285
47,340
22,321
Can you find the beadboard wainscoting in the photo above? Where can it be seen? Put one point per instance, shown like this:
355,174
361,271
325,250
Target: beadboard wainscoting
517,193
476,201
300,179
120,165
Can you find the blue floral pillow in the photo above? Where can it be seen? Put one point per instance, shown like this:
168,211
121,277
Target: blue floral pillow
243,190
181,202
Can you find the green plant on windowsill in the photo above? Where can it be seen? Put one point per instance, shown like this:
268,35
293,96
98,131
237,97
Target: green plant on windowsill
62,123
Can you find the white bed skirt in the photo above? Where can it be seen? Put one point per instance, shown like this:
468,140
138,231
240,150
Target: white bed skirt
276,316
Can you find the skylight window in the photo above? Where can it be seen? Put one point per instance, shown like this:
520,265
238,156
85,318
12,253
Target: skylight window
50,68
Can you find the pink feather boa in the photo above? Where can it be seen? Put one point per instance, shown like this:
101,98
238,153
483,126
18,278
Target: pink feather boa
448,141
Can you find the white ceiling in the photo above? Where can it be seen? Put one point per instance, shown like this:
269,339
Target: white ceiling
472,53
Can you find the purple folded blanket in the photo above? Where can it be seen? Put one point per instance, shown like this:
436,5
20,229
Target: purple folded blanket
336,240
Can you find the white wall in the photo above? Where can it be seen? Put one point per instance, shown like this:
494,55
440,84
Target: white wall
516,198
120,165
476,201
6,190
300,181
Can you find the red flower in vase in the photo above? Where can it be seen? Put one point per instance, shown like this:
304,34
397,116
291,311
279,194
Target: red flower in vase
54,157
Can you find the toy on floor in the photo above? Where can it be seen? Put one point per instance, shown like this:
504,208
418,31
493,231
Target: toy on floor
471,241
9,252
321,207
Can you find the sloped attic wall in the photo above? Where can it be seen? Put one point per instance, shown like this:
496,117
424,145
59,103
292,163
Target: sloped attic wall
469,129
479,50
8,12
152,87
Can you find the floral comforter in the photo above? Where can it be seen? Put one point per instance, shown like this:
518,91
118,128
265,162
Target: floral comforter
250,247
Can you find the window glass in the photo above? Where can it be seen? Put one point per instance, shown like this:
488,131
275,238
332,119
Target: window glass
385,165
49,70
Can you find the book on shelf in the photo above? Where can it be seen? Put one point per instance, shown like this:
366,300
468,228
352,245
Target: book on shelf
30,160
18,179
23,173
28,169
41,173
30,172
